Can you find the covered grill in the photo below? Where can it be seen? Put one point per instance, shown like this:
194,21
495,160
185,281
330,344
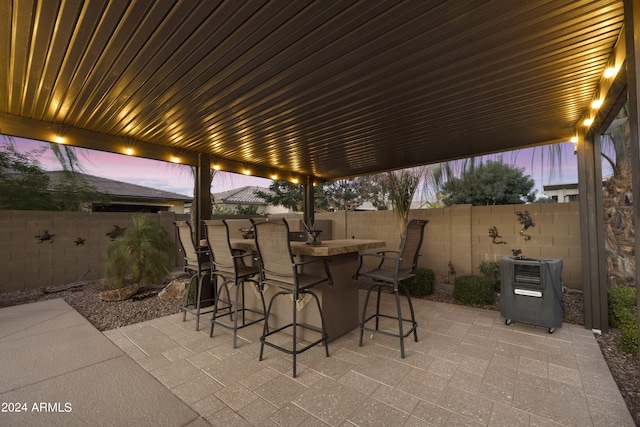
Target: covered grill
531,291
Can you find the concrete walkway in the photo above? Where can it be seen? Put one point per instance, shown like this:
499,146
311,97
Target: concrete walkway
468,368
56,369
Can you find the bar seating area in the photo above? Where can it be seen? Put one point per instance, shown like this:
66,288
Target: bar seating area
275,262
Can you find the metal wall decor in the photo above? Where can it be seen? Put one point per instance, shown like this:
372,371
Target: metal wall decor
495,237
526,221
116,232
45,237
452,273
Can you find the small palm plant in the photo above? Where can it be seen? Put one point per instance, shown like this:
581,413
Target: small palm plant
140,256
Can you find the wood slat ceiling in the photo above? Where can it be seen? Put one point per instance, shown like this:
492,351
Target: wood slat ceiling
322,88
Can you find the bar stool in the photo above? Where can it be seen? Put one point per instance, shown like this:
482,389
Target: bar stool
391,271
229,265
279,269
196,261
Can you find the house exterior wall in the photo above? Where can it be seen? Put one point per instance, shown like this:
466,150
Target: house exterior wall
459,234
262,209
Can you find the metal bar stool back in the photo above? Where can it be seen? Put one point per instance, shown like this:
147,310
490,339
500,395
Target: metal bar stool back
393,268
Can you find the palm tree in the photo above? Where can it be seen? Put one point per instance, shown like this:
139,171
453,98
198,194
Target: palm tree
618,204
67,155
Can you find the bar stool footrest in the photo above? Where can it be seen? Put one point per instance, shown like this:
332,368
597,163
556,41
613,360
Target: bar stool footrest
323,337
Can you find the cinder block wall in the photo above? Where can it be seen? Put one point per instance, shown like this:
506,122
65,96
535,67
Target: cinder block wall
555,234
459,234
27,263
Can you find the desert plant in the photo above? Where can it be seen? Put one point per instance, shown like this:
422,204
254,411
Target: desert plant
473,290
491,270
141,254
623,315
423,285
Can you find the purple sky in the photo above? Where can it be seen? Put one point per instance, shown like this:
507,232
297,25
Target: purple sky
170,177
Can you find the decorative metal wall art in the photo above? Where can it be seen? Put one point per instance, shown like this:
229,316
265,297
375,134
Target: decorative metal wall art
526,221
116,232
495,237
44,237
452,273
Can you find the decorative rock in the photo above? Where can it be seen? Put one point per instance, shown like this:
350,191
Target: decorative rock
118,294
174,290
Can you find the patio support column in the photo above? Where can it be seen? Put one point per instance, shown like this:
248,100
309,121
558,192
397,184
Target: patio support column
632,38
203,194
594,268
309,203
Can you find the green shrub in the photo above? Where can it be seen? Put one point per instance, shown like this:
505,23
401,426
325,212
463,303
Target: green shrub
424,284
473,290
622,300
623,315
491,270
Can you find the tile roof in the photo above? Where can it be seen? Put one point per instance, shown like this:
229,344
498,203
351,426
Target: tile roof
244,195
122,189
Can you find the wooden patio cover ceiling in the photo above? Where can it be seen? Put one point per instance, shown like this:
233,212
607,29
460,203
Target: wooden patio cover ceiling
322,88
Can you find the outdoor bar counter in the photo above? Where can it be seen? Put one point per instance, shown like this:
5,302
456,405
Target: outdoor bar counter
340,301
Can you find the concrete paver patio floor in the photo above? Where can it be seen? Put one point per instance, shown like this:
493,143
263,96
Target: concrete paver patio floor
468,368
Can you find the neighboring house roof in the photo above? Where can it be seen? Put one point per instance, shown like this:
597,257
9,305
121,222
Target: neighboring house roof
572,186
122,189
242,195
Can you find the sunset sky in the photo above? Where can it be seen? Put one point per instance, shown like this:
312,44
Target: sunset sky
170,177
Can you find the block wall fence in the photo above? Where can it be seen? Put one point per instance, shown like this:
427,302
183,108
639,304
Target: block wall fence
459,234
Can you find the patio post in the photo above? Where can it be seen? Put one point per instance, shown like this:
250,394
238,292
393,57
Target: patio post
594,269
203,194
309,203
632,38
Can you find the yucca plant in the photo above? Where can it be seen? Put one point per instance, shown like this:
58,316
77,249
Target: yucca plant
140,256
399,187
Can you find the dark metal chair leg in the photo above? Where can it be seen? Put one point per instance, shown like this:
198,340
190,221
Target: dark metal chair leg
414,324
364,313
325,335
378,307
235,315
198,296
295,334
185,305
400,329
